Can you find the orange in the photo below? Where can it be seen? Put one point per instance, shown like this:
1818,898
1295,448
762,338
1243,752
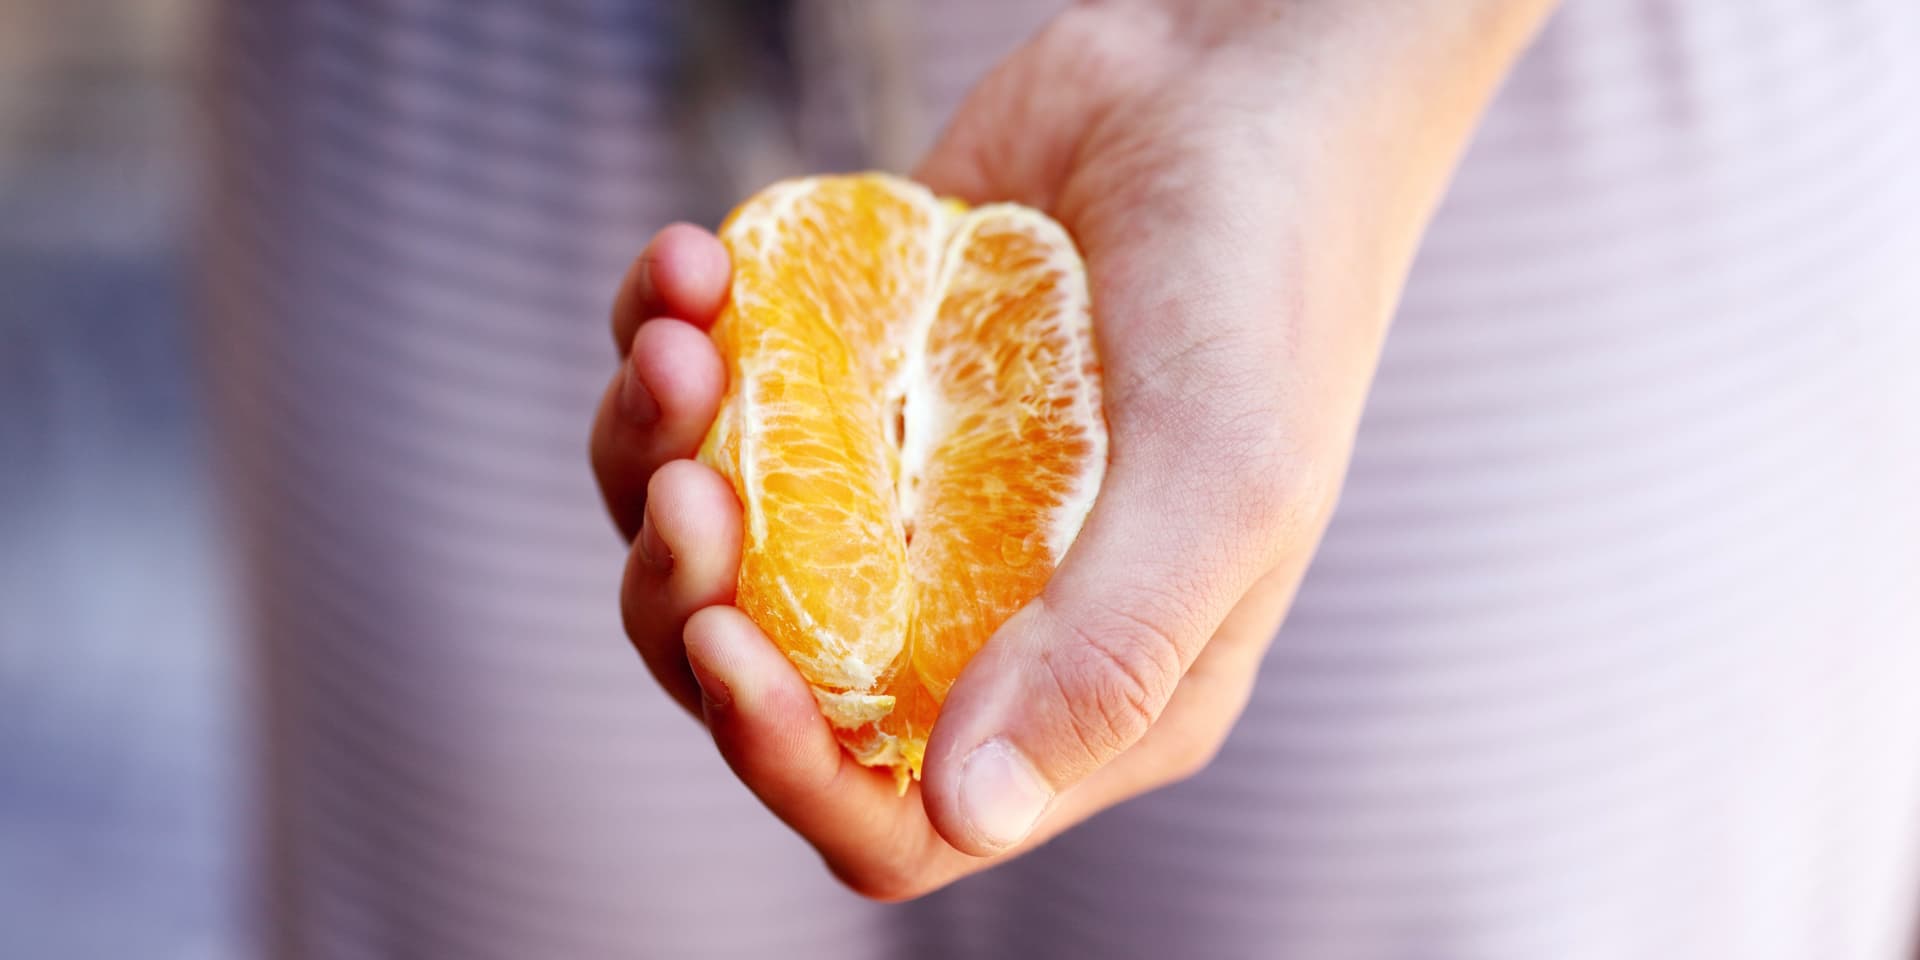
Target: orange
913,426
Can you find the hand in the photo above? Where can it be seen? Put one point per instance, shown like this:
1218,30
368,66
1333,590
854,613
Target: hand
1247,201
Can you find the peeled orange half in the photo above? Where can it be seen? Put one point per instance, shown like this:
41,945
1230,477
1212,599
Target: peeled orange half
913,426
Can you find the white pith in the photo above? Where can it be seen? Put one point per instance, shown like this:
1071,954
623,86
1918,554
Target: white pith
924,416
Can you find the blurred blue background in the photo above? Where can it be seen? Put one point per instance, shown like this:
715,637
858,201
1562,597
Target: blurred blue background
120,755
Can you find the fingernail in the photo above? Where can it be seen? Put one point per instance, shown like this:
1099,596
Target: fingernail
713,690
1001,795
636,401
654,550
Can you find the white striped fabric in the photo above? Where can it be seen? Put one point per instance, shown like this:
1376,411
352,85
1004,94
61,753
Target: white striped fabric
1612,651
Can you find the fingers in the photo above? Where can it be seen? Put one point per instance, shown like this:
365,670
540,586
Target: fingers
683,273
661,402
657,409
686,557
768,727
681,518
766,723
1076,678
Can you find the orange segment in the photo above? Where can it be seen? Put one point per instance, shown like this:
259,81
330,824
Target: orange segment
913,426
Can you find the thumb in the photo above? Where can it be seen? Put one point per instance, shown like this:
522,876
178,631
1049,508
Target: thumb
1179,533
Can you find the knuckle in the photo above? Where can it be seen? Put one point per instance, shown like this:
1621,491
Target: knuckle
1270,468
1114,680
1271,485
1281,486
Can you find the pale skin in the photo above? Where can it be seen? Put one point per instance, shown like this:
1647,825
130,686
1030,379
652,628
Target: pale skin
1248,180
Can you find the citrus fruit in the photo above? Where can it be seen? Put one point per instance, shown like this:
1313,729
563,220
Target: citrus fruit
913,426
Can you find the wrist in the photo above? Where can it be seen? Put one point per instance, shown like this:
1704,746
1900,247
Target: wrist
1425,65
1365,104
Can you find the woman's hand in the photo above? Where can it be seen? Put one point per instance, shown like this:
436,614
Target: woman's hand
1247,182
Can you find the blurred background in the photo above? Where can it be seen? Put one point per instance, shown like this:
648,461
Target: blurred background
120,751
130,800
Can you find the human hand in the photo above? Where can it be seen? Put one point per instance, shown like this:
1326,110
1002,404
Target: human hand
1246,229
